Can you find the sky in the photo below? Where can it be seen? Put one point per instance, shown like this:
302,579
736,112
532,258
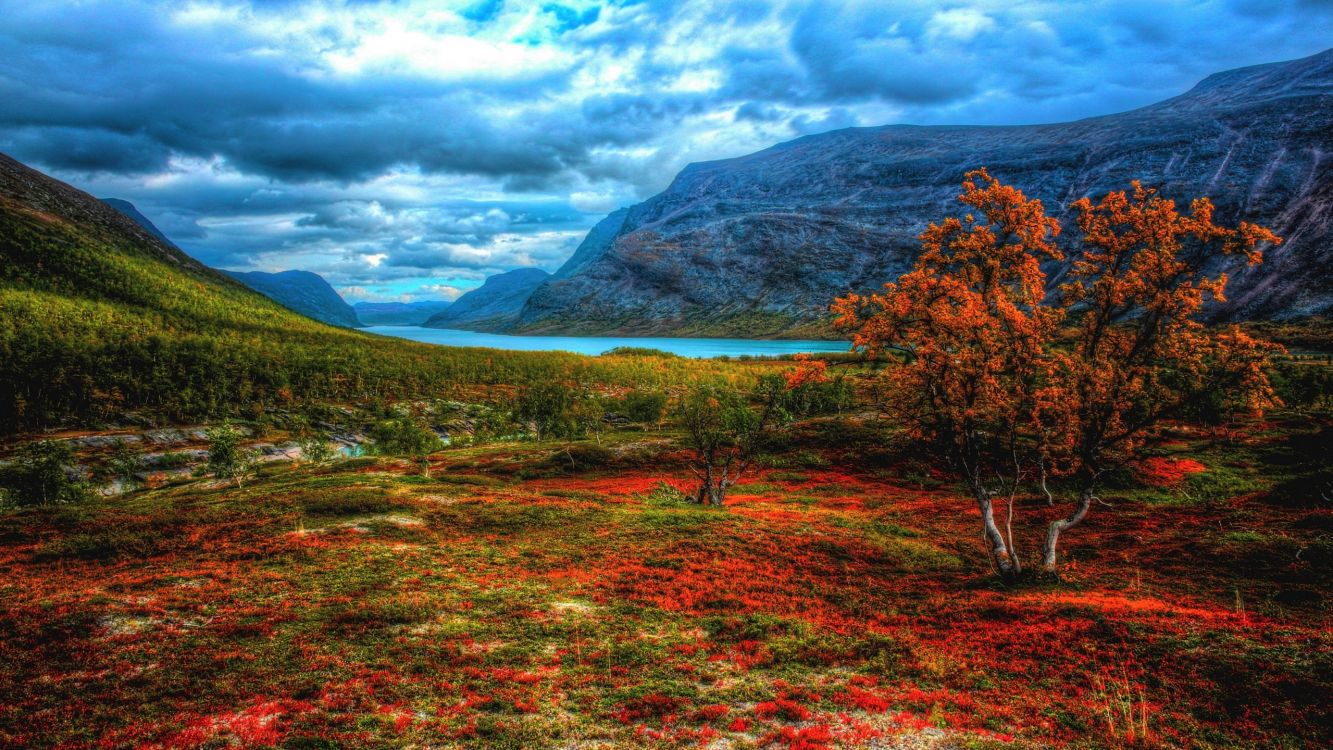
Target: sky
405,150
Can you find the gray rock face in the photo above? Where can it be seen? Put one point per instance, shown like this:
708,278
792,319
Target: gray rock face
494,305
303,292
762,243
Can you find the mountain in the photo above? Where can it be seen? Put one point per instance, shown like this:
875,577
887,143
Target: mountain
494,305
100,320
305,292
760,244
302,291
398,313
127,208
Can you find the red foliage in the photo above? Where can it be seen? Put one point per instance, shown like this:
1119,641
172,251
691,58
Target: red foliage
1167,472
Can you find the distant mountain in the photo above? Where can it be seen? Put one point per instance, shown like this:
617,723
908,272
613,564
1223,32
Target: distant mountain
398,313
129,210
305,292
492,306
760,244
302,291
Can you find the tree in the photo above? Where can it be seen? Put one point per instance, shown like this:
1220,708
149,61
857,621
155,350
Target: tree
966,332
644,407
588,415
726,433
405,437
227,457
125,464
1138,356
811,391
315,446
985,366
42,473
546,408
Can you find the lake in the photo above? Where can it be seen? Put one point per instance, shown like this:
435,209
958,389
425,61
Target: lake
599,344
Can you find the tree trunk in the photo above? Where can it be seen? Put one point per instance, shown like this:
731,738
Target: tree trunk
1053,532
717,493
1005,563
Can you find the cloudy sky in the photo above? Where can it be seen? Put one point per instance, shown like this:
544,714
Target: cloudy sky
406,149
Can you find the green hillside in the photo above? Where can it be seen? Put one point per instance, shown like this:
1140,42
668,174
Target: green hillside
97,317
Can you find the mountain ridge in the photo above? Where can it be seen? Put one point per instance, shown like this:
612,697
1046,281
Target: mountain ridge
398,313
305,292
761,243
494,305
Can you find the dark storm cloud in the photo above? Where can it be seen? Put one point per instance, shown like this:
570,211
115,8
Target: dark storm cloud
377,139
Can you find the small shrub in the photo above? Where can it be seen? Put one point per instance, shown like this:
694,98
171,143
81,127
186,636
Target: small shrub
316,448
406,438
125,464
664,494
227,458
581,457
103,544
344,502
644,407
172,460
42,473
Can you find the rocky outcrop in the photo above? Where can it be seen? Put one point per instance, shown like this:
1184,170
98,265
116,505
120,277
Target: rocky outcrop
494,305
760,244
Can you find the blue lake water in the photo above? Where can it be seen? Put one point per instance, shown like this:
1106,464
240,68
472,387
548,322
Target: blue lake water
599,344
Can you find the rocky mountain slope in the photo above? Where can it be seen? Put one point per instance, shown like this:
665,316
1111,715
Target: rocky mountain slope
494,305
398,313
760,244
129,210
302,291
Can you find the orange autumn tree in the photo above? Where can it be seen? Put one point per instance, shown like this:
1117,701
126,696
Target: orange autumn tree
968,332
984,365
1138,356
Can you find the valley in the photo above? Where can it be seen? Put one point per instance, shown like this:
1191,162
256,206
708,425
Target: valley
561,594
421,407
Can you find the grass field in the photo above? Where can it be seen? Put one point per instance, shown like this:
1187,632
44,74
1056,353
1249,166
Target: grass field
510,602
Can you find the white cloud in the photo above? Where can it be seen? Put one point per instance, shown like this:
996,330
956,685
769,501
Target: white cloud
438,291
415,142
958,25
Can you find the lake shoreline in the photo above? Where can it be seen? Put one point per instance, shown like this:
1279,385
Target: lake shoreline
693,347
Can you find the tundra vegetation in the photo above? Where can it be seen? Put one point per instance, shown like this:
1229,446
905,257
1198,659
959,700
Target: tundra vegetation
640,550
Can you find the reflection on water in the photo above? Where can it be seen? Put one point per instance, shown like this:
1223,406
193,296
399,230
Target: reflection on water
599,344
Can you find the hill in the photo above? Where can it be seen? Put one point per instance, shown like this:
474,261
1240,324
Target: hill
760,244
302,291
398,313
102,321
494,305
129,209
305,292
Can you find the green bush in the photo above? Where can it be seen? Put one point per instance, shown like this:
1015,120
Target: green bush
643,406
227,458
42,474
405,438
547,408
125,464
344,502
316,448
